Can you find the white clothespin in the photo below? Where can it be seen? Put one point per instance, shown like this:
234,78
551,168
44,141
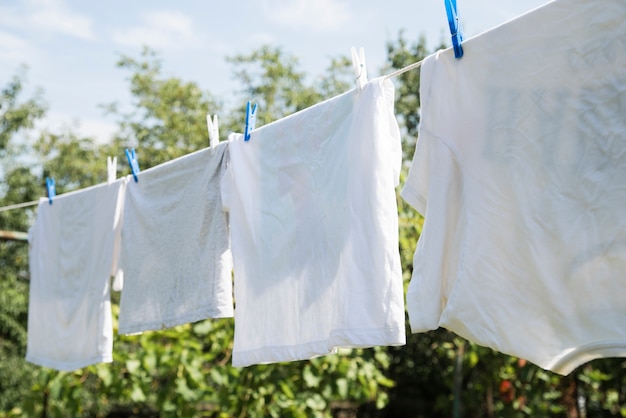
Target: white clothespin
118,281
111,169
214,132
358,64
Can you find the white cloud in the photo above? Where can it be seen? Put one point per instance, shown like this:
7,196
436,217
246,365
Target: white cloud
15,50
99,129
317,15
261,38
62,21
51,16
160,29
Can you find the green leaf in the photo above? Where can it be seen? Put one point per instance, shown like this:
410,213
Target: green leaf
342,388
316,403
132,365
104,374
55,387
202,328
218,377
382,400
150,361
194,372
286,390
310,379
137,394
472,358
385,381
183,390
168,406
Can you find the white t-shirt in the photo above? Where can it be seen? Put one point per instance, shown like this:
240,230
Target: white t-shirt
520,172
314,230
72,257
175,245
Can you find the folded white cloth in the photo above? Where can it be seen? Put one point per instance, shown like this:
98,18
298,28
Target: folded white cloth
314,228
175,245
72,257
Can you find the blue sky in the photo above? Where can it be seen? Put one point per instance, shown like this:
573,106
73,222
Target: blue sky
71,46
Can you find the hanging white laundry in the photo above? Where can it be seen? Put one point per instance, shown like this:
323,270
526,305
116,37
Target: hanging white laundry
314,230
71,259
175,245
520,172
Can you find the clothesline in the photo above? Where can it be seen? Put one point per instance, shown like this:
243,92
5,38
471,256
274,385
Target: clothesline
19,205
388,76
186,274
405,69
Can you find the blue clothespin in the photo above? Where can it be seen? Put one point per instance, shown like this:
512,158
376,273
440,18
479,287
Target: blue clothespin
51,188
455,28
132,162
250,121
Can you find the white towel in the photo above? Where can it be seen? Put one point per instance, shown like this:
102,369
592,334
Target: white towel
72,246
175,245
314,227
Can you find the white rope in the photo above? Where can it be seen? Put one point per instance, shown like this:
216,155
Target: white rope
19,205
394,74
405,69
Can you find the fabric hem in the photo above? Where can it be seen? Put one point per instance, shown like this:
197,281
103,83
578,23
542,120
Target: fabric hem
69,366
139,327
570,359
337,340
414,199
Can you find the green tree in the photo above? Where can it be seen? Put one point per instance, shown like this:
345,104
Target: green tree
18,185
73,162
16,116
400,54
271,78
168,115
185,371
277,98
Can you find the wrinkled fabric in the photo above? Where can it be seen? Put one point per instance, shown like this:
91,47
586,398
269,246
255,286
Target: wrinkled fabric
520,172
314,230
72,256
175,245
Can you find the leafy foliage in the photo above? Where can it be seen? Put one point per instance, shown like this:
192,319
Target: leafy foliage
14,116
278,97
18,185
185,371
